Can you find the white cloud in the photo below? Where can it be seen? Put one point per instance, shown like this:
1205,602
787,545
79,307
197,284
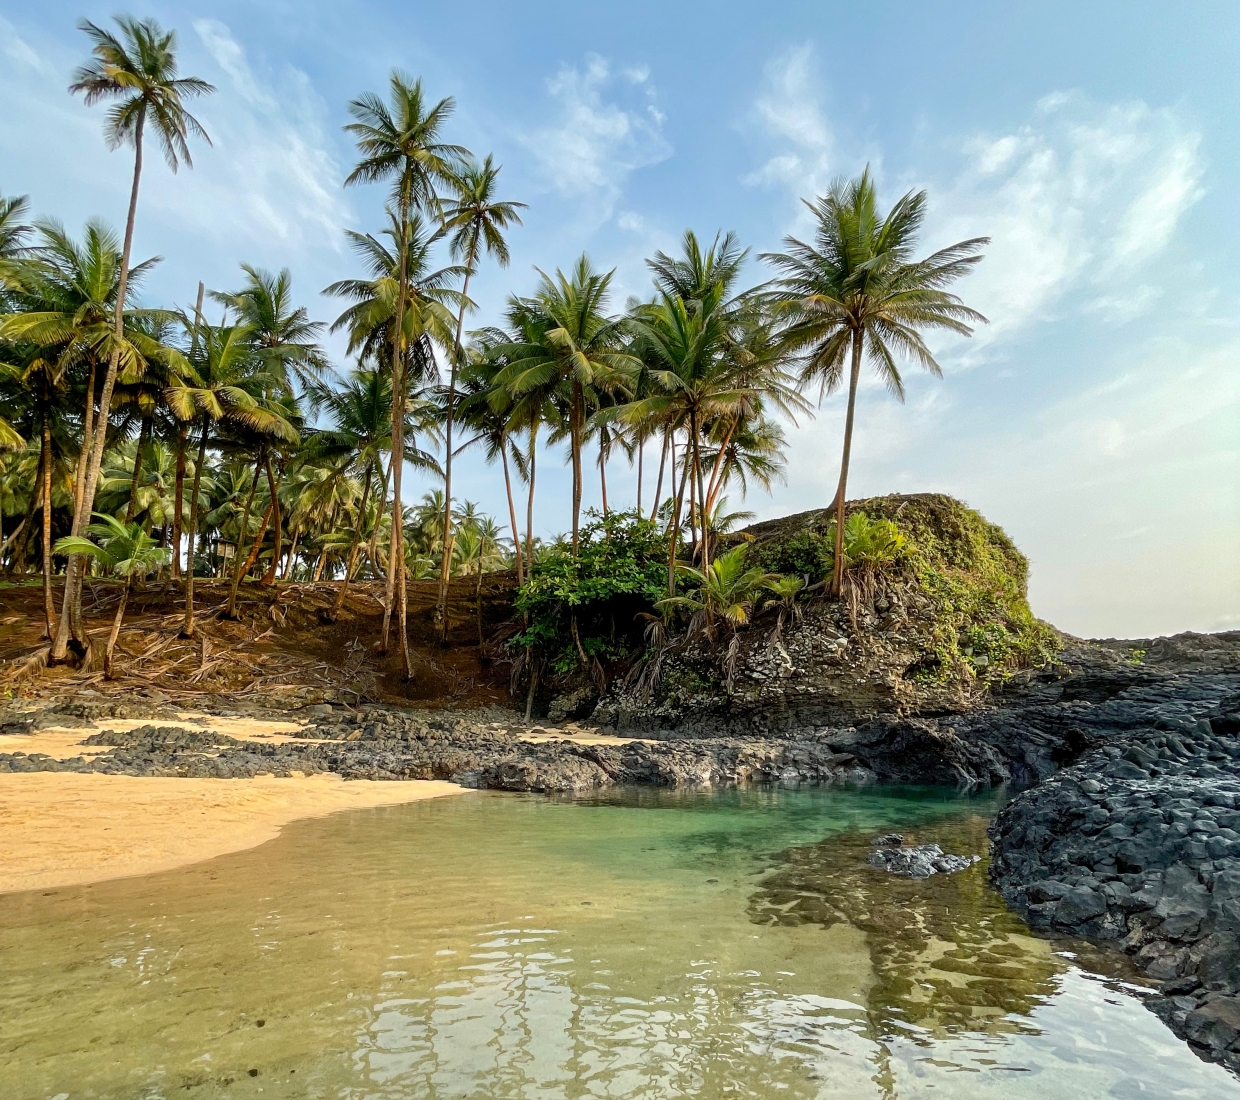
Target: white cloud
18,51
789,111
631,222
1077,201
598,139
273,174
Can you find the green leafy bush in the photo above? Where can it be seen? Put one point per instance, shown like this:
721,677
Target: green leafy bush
620,572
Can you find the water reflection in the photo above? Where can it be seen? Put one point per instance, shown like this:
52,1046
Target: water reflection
947,954
507,947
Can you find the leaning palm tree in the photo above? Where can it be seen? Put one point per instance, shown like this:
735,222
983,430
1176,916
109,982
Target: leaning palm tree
477,220
400,143
857,282
137,69
123,549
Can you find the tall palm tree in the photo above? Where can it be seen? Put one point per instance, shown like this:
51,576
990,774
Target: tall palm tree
137,69
477,220
400,143
857,283
580,350
286,339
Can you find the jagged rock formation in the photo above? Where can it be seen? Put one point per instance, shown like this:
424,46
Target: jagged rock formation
1138,843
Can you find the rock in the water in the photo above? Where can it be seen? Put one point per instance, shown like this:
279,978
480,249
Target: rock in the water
921,861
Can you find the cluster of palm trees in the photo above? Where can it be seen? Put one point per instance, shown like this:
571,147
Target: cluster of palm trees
239,449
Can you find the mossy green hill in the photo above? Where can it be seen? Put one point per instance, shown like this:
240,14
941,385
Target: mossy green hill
932,630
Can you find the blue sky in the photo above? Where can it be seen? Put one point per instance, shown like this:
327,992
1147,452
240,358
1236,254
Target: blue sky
1097,418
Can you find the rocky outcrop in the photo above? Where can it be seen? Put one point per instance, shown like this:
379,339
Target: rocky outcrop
1138,843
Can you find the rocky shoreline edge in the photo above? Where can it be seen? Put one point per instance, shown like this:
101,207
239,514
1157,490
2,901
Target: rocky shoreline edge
1126,829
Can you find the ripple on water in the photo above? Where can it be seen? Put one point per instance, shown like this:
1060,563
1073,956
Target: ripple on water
641,945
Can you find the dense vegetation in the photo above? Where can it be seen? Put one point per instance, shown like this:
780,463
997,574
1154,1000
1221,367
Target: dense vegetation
241,452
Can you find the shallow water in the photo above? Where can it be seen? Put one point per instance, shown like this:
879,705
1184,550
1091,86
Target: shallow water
499,946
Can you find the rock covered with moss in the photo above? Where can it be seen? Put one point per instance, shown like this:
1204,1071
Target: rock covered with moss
932,630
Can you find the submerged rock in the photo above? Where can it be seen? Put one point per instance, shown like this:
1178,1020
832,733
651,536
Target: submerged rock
921,861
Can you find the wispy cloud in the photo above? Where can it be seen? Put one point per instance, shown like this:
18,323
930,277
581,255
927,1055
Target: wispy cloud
273,174
1077,202
606,128
18,51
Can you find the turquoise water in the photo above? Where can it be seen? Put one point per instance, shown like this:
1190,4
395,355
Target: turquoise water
644,945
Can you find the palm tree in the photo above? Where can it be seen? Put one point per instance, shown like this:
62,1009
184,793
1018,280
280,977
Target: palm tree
286,339
123,549
857,282
725,590
401,143
579,350
487,411
14,232
138,69
361,417
227,383
284,334
477,220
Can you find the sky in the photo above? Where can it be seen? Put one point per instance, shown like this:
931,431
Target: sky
1096,418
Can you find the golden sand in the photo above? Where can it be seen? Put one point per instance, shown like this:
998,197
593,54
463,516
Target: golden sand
65,829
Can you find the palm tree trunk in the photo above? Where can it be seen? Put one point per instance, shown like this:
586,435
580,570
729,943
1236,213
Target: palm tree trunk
716,473
404,611
703,519
179,500
182,440
187,627
115,632
334,614
602,469
230,612
49,607
71,609
687,478
837,574
292,554
398,415
270,576
658,485
372,551
574,439
14,535
478,599
88,428
675,532
144,437
512,508
641,453
529,506
441,602
257,545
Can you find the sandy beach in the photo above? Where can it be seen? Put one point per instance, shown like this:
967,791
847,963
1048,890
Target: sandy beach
66,829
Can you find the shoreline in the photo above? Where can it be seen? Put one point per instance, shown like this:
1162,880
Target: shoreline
64,829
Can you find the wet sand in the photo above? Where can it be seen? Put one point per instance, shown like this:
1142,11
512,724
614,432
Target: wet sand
65,829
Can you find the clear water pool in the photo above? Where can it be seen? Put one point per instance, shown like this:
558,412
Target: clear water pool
643,945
